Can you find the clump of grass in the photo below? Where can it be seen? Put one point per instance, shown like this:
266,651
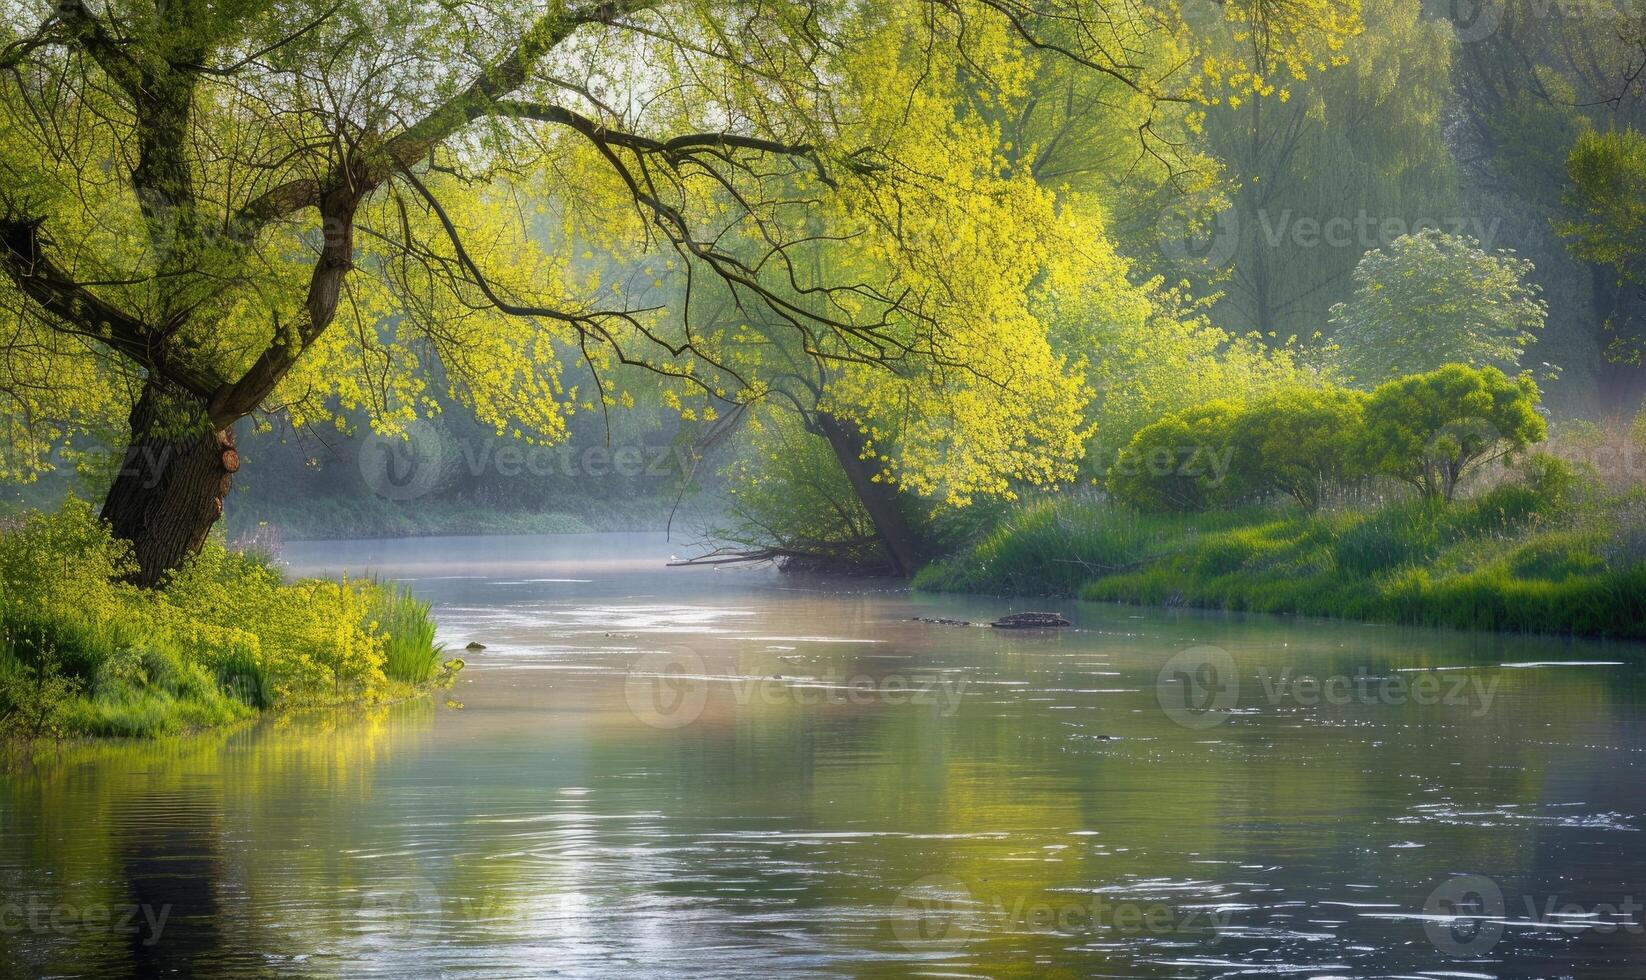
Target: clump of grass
411,655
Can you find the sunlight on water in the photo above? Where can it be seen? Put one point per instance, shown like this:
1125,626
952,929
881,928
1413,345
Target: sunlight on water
706,772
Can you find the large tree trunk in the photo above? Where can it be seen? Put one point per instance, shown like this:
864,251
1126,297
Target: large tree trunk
170,487
903,545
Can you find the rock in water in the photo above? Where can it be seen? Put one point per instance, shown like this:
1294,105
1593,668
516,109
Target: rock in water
476,646
1030,621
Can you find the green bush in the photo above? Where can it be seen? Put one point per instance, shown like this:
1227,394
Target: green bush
1183,462
1432,430
84,652
1301,443
1295,442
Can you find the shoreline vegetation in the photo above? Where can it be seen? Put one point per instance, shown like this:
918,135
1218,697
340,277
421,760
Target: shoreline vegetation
1435,499
1519,557
85,653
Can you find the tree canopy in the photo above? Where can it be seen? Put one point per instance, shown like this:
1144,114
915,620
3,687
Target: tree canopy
212,210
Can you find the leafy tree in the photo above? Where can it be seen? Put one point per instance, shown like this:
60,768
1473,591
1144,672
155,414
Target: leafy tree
194,194
1529,79
1293,441
1430,299
1432,430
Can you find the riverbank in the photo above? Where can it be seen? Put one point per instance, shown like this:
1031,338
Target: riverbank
83,653
1541,559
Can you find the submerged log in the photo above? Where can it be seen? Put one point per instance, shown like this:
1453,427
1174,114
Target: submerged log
1030,621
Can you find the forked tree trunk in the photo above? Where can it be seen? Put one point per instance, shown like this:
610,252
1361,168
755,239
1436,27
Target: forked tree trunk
903,545
172,480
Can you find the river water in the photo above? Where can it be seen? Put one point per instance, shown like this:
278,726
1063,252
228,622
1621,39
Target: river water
699,772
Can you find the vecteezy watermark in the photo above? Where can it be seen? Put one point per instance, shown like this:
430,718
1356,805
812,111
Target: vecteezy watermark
1187,235
40,917
667,688
414,463
1476,20
1364,231
1211,462
671,689
1467,915
941,912
1200,688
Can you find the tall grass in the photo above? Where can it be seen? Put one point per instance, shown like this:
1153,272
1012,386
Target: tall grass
411,655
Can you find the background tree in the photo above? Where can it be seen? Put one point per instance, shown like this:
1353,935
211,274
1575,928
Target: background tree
1317,173
1430,299
1529,78
1607,228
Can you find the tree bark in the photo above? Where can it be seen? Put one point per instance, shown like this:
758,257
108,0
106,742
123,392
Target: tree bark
902,544
172,480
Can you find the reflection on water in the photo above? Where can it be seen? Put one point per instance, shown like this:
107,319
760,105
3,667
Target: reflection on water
700,772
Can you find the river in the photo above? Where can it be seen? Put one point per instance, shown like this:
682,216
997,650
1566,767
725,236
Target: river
713,772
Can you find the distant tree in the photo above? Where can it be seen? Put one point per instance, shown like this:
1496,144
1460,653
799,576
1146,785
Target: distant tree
1432,430
1607,227
1431,299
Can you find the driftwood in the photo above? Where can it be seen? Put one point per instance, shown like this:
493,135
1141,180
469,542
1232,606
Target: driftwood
1016,621
1030,621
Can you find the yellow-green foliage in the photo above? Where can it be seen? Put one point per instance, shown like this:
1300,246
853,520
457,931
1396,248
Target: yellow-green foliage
223,636
1296,442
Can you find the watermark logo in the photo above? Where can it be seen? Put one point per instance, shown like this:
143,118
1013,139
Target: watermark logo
670,689
36,916
1464,916
936,912
403,468
1473,20
1199,687
1187,236
1363,230
412,908
667,688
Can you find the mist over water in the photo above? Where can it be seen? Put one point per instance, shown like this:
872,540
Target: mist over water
712,772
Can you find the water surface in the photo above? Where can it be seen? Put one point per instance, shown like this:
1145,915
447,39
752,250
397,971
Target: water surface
675,772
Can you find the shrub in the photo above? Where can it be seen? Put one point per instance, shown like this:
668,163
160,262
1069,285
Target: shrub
1432,430
1180,463
1302,442
1298,442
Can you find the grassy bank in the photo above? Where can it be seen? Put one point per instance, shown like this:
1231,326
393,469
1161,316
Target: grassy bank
1551,554
84,653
